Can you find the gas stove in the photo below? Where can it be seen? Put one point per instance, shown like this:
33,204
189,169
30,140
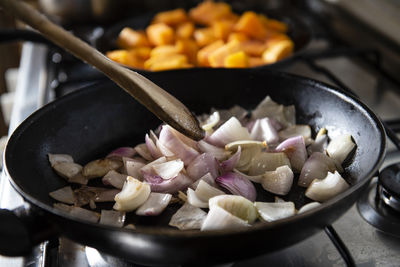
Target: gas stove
366,235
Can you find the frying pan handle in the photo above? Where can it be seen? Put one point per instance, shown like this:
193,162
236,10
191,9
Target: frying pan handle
21,229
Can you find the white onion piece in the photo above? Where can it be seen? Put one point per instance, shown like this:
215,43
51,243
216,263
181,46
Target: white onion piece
218,218
188,217
158,184
264,161
285,115
190,142
229,132
154,205
256,179
132,167
212,120
330,186
308,206
100,167
272,211
169,169
85,214
263,129
152,148
229,164
245,144
112,218
317,166
57,158
340,147
122,152
236,205
205,191
249,149
320,143
295,149
237,185
78,179
149,166
65,195
278,199
134,193
218,152
143,151
201,165
170,139
106,195
194,200
296,130
206,178
67,170
114,178
279,181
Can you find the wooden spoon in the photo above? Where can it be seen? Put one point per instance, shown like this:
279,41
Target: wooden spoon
158,101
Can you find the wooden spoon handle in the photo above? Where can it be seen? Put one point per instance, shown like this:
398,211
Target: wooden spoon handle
154,98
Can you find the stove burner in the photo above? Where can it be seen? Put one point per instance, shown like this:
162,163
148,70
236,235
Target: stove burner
389,186
377,213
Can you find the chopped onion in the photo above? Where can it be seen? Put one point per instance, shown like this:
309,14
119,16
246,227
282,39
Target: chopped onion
115,179
65,195
236,205
78,179
63,207
263,129
85,214
58,158
143,151
67,170
229,132
158,184
201,165
188,217
152,148
170,139
212,120
205,191
206,178
308,207
132,167
194,200
285,115
134,193
237,185
264,161
320,144
149,166
100,167
236,111
106,195
340,147
161,148
316,167
295,149
330,186
218,152
229,164
279,181
296,130
169,169
272,211
112,217
249,149
255,179
122,152
218,218
154,205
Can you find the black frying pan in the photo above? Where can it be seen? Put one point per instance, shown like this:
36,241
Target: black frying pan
89,123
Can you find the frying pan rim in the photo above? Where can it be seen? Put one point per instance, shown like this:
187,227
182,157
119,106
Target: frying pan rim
171,232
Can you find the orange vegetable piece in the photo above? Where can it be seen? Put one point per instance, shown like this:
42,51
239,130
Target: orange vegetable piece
162,50
208,11
273,24
185,30
217,57
236,60
278,51
160,34
238,36
276,38
131,58
204,36
204,53
167,62
256,61
129,38
189,48
119,56
250,24
171,17
253,47
222,28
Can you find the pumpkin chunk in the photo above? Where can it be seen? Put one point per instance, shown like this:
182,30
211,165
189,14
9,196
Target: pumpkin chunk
160,34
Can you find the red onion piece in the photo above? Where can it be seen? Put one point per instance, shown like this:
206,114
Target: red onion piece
57,158
65,195
121,152
67,170
154,205
285,115
114,178
295,149
296,130
263,129
229,132
201,165
143,151
237,185
330,186
160,185
152,148
149,166
316,167
229,164
169,169
218,152
100,167
170,140
132,168
279,181
188,217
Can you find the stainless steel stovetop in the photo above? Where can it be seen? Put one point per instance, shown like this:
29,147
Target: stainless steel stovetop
367,245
